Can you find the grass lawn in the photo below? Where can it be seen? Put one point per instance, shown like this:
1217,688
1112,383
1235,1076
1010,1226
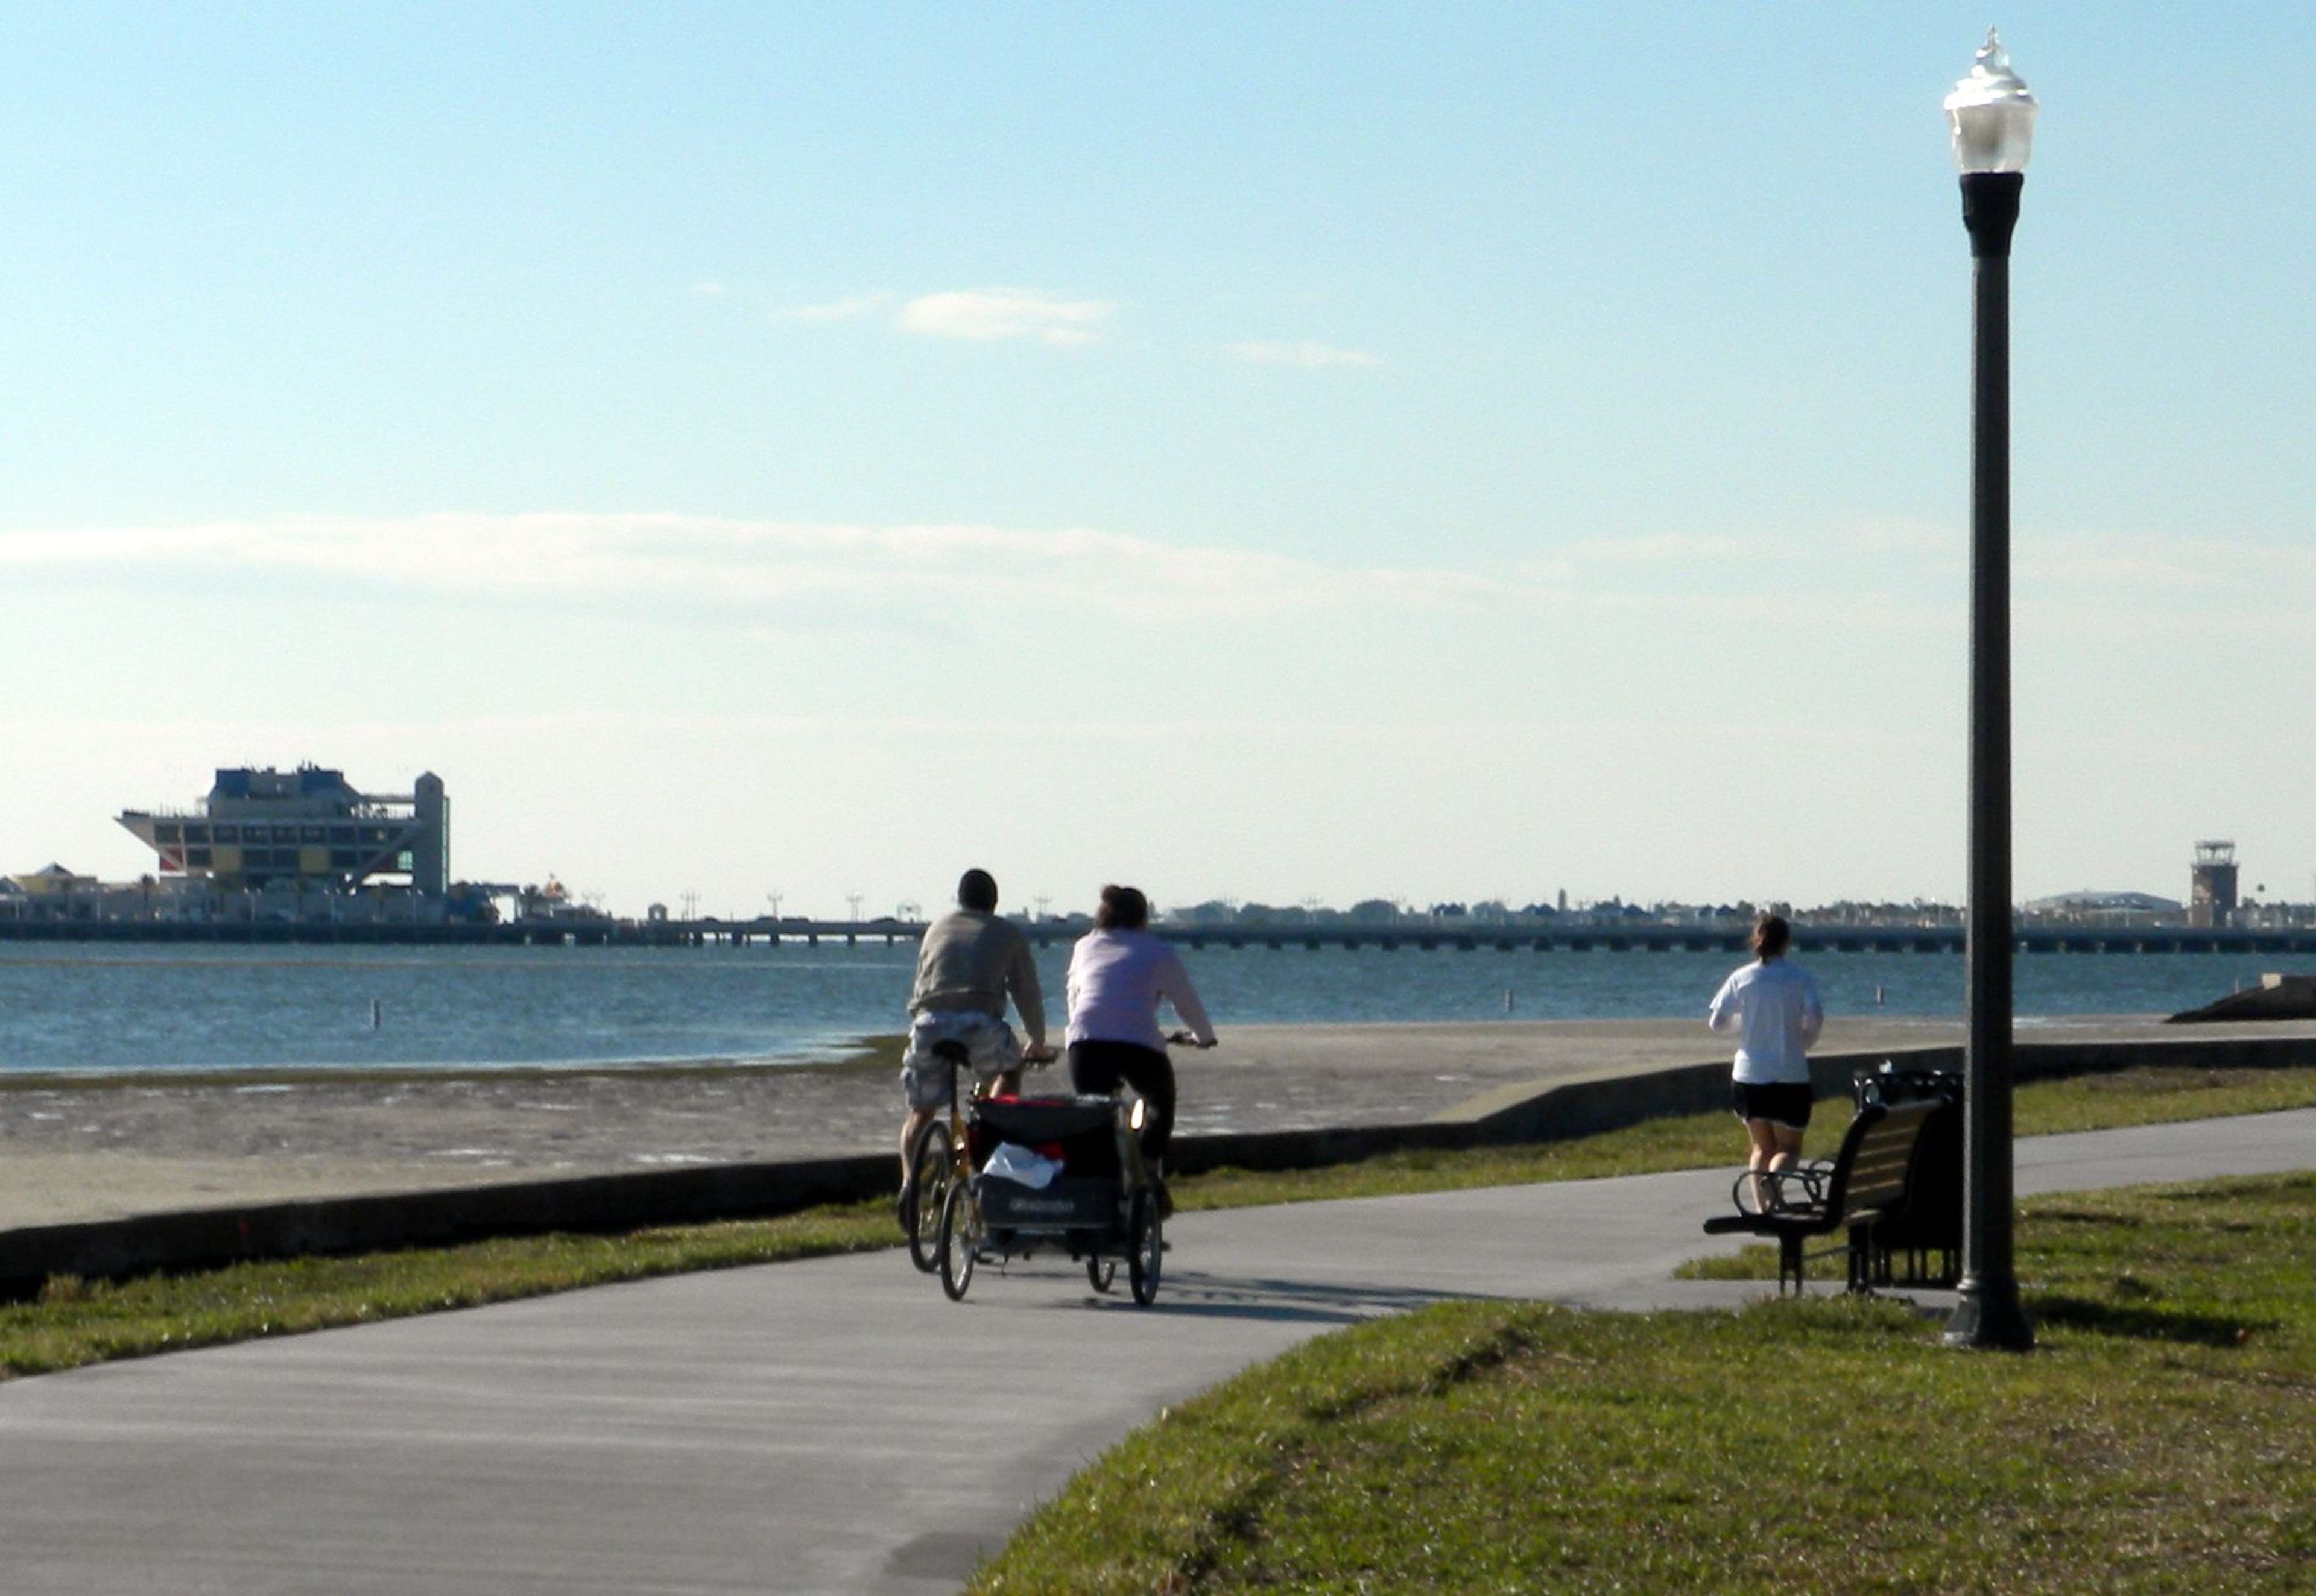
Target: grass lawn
76,1322
1703,1141
2162,1438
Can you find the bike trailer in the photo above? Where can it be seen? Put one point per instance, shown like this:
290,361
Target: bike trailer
1080,1133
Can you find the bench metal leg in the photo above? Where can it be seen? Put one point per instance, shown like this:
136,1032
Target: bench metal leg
1864,1257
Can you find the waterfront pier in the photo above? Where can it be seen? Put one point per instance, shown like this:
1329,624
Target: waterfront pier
599,931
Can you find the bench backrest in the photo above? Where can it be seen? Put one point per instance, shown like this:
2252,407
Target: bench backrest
1876,1152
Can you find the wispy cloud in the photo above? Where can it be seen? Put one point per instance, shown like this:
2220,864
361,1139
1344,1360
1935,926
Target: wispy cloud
816,575
2163,565
992,314
707,288
716,565
1939,540
850,308
1307,355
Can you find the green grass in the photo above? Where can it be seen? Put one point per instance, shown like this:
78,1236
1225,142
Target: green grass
2162,1438
76,1323
1706,1141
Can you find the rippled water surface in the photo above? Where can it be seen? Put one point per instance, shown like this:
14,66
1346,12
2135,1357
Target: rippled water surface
166,1008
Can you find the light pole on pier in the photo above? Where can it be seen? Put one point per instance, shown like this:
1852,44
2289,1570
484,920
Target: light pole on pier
1992,119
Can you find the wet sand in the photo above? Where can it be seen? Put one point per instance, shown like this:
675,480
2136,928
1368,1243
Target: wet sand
76,1148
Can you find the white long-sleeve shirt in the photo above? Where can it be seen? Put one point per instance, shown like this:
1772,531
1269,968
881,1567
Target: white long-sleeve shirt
1116,981
1773,1006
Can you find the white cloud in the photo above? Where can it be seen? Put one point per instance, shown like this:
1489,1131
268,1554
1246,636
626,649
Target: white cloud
709,289
755,573
727,565
1894,543
1307,355
1940,540
2159,566
836,310
992,314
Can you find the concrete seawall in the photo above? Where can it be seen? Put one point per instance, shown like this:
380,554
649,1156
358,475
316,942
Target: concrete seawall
1517,1112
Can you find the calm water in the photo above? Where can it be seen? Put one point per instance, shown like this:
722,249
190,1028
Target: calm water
150,1007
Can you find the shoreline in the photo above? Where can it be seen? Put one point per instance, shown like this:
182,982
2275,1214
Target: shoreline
870,1052
91,1147
883,1052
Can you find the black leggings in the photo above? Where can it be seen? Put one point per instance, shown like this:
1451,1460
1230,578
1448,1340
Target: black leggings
1101,1066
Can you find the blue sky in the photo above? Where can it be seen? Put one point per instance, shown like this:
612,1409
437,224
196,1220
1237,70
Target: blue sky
1276,452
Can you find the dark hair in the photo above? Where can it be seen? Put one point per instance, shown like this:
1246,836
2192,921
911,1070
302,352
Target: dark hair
1123,909
976,888
1771,934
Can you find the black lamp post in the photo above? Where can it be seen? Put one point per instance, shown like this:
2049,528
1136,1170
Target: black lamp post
1993,121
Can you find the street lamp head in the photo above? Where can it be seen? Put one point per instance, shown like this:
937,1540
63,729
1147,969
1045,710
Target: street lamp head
1991,114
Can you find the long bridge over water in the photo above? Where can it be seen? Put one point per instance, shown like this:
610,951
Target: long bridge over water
765,932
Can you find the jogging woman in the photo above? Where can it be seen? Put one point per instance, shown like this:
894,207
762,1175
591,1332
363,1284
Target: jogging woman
1772,1005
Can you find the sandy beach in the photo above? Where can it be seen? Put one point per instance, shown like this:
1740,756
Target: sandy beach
76,1148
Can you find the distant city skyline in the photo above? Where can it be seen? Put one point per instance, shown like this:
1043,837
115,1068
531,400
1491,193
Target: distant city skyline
1443,453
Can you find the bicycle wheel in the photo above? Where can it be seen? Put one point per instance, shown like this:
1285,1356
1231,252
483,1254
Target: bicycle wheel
1142,1264
929,1168
958,1239
1101,1271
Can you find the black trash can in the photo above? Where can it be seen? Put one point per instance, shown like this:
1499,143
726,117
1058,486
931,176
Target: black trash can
1921,1245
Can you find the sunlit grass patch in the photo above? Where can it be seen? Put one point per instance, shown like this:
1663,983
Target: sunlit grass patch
74,1322
1706,1140
2159,1439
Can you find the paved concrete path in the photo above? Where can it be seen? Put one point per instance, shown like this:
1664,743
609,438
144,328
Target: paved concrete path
833,1426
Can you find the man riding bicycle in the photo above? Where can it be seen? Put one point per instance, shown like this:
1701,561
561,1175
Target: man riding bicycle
970,964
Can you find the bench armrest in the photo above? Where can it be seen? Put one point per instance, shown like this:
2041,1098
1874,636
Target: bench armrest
1796,1187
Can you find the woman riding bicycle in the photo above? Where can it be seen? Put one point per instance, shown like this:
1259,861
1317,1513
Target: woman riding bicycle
1118,974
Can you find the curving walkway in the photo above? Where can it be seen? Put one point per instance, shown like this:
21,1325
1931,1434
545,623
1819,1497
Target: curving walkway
833,1426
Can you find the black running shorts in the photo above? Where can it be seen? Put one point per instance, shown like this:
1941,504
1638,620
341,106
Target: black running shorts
1786,1106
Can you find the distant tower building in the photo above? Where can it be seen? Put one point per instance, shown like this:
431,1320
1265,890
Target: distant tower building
430,844
2212,884
306,827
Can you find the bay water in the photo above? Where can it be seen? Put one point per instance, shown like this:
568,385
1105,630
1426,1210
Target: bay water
155,1007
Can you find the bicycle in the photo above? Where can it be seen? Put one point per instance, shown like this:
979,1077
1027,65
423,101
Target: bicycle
1102,1202
936,1156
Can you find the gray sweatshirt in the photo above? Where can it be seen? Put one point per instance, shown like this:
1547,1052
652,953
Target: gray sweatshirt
972,960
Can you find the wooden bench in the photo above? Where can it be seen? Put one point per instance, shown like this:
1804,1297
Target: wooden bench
1921,1244
1863,1183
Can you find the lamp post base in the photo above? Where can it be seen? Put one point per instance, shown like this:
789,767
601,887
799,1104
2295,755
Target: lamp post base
1991,1318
